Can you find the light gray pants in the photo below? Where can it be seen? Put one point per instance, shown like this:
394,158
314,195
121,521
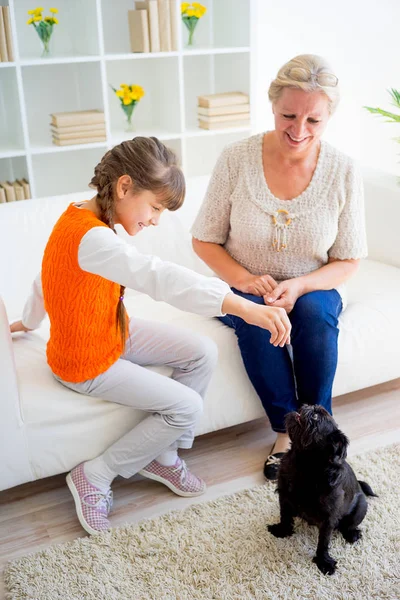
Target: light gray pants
174,403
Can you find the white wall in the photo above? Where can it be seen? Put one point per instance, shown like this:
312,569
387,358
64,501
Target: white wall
360,38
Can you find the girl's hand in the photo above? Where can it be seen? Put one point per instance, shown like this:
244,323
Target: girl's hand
18,326
257,285
275,320
285,294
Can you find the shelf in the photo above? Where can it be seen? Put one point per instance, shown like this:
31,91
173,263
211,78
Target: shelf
11,136
53,148
52,177
13,168
209,74
211,51
58,60
81,90
159,109
190,133
76,34
89,51
140,55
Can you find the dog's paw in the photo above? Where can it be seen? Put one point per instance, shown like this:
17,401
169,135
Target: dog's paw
352,535
280,530
326,565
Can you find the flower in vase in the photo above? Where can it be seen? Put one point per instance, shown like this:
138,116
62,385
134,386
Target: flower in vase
44,26
129,96
191,12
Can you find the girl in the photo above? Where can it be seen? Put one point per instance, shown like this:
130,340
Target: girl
95,349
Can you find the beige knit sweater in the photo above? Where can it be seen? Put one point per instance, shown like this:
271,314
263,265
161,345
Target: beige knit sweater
240,213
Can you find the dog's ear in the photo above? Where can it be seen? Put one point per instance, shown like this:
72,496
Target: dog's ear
337,443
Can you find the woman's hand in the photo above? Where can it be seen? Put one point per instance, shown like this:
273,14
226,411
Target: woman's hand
257,285
285,294
18,326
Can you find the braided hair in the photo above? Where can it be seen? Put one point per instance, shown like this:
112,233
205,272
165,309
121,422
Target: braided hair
152,167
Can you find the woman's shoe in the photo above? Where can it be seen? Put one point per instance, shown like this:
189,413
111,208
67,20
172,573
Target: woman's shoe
271,466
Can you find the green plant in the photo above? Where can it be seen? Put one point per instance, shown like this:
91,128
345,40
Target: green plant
390,116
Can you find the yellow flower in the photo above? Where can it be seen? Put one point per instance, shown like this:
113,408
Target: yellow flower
119,93
184,6
137,92
55,20
38,18
201,10
29,22
54,10
39,10
31,12
190,12
124,86
127,100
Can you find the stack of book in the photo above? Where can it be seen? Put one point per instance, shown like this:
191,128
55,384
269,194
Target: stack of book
221,111
78,127
10,191
153,26
6,45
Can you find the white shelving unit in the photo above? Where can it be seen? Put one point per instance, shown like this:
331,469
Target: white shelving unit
90,51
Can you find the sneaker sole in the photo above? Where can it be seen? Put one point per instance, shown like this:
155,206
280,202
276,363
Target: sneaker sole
77,500
171,486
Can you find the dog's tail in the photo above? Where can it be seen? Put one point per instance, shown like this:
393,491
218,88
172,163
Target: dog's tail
366,488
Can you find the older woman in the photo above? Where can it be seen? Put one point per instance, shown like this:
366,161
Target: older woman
283,224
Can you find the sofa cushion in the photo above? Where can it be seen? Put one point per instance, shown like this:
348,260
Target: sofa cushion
54,415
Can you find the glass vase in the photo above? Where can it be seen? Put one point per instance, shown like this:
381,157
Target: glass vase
128,110
191,23
45,31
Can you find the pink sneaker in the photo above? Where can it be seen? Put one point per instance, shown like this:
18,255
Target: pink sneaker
177,478
92,505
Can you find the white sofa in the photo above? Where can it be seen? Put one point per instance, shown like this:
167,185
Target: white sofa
44,427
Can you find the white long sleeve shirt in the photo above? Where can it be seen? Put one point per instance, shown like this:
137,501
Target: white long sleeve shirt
103,253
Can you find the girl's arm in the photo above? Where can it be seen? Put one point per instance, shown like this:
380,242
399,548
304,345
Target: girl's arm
103,253
34,311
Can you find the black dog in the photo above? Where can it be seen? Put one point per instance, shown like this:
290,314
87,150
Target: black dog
317,484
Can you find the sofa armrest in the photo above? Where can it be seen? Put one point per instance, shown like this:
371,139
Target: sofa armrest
15,466
382,207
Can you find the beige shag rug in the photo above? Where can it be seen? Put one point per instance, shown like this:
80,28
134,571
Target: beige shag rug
222,550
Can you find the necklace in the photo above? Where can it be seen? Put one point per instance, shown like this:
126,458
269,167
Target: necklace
280,234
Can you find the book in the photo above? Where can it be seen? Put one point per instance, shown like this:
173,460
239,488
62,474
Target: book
224,125
74,141
174,25
78,128
152,15
164,23
225,99
9,190
19,190
27,188
71,135
225,118
79,117
3,43
139,30
224,110
3,198
7,27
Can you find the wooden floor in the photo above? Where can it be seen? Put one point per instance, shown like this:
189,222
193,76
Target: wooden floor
36,515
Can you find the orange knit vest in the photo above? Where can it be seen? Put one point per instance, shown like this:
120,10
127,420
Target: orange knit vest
84,340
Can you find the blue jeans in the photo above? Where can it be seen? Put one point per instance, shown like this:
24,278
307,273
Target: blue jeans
283,385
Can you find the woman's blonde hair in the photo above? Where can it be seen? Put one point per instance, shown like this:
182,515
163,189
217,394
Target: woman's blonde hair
152,167
310,73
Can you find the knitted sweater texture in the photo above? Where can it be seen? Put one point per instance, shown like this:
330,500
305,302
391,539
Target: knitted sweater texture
283,238
84,341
